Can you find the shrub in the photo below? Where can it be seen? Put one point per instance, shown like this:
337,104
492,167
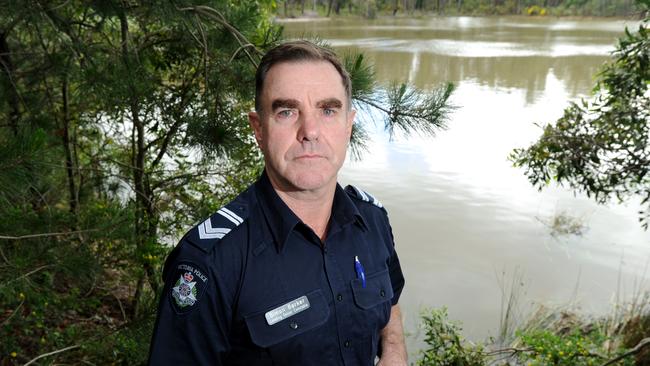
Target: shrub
536,10
445,344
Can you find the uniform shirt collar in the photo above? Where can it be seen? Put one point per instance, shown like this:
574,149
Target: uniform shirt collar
344,212
282,221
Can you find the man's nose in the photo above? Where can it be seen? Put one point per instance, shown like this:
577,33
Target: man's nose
309,126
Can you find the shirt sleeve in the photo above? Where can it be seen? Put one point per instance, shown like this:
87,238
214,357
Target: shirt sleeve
394,269
194,314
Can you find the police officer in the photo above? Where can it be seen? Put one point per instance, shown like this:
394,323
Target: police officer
296,270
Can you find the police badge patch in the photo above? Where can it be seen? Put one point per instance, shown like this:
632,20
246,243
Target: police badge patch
188,288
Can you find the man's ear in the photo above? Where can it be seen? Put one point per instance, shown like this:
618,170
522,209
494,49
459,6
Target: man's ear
256,124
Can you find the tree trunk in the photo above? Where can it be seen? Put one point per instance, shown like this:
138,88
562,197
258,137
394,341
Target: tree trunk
337,8
396,8
144,221
329,8
69,163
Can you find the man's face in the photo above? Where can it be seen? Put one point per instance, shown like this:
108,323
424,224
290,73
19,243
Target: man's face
304,126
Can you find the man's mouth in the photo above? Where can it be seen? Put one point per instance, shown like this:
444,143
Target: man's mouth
309,156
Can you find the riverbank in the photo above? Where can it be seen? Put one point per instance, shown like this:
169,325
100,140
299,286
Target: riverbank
311,17
568,13
557,336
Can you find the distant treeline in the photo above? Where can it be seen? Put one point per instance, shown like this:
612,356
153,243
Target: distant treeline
372,8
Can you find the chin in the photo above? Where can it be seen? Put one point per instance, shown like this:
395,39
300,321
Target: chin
310,182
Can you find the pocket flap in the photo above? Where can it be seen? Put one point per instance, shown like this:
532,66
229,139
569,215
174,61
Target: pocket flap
287,319
378,289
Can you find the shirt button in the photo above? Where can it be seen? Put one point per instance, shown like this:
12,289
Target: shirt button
293,325
346,344
382,293
339,297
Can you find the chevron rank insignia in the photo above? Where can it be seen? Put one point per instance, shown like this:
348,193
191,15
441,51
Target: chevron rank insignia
214,228
362,195
206,231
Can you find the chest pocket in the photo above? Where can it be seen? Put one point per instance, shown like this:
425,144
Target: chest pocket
378,290
265,335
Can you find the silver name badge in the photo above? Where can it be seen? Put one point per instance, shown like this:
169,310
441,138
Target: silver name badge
289,309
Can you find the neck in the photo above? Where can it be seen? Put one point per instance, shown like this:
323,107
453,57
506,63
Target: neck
312,207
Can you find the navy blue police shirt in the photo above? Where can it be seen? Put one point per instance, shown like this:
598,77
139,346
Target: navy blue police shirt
253,285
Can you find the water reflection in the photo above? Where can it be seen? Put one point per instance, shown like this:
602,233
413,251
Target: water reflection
465,27
426,70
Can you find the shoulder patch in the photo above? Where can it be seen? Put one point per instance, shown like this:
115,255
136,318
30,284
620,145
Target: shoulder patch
357,193
218,225
187,286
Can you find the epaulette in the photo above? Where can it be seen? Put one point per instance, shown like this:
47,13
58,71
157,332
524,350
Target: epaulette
355,192
206,234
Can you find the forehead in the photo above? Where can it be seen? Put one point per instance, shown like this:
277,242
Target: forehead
305,81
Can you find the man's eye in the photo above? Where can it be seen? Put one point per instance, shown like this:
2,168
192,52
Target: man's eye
286,113
329,112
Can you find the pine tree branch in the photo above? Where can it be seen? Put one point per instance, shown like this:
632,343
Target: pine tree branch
165,143
393,114
175,126
239,50
372,104
63,26
219,18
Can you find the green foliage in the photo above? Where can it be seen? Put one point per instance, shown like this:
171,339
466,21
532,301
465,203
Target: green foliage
536,10
412,110
19,160
548,338
127,346
572,347
362,76
445,344
601,146
106,158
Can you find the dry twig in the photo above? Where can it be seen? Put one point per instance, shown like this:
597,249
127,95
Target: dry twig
641,345
30,236
50,354
13,313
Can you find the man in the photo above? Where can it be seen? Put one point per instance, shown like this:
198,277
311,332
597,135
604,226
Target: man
296,270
